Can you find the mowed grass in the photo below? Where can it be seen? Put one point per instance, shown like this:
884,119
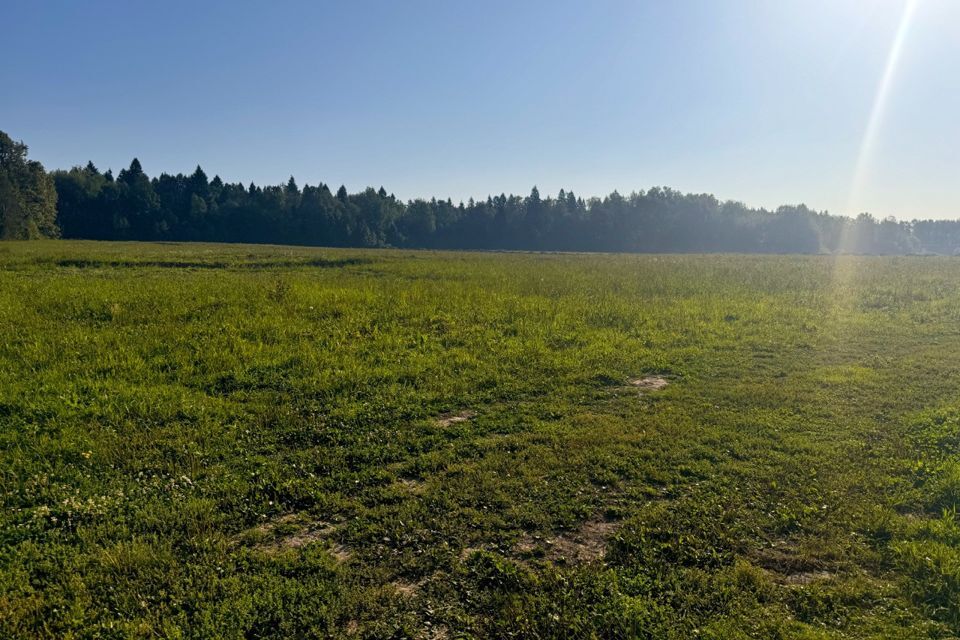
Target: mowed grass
262,442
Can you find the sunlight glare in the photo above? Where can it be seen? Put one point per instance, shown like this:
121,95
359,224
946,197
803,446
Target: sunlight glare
877,112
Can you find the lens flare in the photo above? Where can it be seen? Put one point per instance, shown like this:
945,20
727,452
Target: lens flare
846,268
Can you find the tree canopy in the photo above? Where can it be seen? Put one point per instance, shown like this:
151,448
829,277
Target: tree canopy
28,198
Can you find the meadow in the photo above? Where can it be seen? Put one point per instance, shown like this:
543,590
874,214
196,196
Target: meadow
245,441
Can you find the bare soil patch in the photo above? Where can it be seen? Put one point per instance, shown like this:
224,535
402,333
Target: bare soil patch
448,419
807,577
292,531
466,552
586,544
341,553
406,589
649,383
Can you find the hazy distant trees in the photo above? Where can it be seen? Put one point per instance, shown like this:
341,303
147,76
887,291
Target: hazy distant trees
28,198
180,207
84,202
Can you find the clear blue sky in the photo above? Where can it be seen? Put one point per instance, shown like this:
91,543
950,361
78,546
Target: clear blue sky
768,102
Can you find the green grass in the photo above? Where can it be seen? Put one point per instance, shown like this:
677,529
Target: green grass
236,441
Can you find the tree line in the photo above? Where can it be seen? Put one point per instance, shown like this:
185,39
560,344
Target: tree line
84,202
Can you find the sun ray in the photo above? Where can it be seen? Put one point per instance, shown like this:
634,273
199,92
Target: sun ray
845,268
878,110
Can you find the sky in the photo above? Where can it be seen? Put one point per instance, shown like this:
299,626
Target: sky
845,105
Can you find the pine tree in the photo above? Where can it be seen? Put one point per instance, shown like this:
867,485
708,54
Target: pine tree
133,174
198,182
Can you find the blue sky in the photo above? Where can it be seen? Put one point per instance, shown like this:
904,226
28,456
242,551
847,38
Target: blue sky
767,102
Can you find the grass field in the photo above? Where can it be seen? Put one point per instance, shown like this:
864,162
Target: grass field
250,441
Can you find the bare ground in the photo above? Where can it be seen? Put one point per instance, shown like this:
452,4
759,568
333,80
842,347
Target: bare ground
292,531
448,419
584,545
649,383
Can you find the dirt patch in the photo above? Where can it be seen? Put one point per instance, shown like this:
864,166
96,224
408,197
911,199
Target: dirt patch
406,589
301,538
586,544
341,553
449,419
466,552
291,531
807,577
649,383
